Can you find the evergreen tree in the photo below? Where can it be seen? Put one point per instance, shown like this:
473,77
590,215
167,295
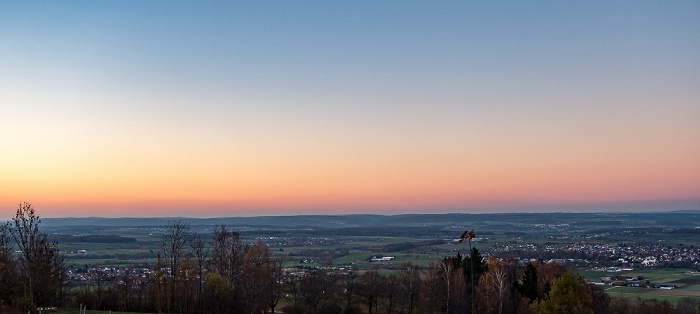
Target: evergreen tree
528,286
474,262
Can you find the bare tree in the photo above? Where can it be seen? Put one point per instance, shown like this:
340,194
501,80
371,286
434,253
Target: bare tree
39,259
391,291
349,284
311,289
227,254
126,278
175,239
200,252
494,287
257,277
276,286
411,282
447,269
371,285
293,287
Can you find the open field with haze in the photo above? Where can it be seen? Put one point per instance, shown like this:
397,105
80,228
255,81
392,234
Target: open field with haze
312,241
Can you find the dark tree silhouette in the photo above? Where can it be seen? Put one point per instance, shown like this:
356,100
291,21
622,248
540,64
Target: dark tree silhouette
227,254
371,286
256,278
410,282
474,267
469,235
175,239
528,286
276,286
40,263
349,282
9,271
200,252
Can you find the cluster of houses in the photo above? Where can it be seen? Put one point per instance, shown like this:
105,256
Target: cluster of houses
110,274
620,255
140,276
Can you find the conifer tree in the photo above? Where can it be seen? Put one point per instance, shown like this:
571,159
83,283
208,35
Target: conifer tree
528,287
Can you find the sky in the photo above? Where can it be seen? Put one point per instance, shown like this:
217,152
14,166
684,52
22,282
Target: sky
240,108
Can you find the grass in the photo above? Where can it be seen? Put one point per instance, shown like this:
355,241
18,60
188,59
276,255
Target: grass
363,256
645,294
692,288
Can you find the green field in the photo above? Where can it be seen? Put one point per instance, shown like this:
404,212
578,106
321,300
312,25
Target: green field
688,284
645,294
692,287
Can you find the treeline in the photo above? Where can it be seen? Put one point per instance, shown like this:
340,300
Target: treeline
687,231
405,246
222,274
62,238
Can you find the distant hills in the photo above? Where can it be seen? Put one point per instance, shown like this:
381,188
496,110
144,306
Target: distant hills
484,222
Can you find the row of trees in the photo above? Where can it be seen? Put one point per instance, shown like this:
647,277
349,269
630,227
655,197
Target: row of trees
220,275
223,274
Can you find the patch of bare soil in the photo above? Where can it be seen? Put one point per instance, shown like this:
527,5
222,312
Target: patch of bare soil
687,281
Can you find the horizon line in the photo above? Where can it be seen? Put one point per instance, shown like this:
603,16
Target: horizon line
404,214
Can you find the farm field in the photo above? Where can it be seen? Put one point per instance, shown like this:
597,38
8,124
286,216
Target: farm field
687,281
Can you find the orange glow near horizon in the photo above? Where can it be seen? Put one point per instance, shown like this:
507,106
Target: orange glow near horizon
162,186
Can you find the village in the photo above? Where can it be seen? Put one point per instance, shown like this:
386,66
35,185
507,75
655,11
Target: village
605,255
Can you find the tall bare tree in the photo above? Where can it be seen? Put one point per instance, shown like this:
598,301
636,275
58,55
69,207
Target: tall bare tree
494,287
391,291
277,284
199,249
227,254
411,282
349,281
39,259
175,239
371,286
318,288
